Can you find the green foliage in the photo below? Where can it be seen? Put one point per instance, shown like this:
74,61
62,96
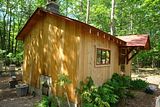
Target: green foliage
93,96
56,101
139,84
2,52
43,103
131,17
14,59
63,80
120,84
110,93
47,102
107,94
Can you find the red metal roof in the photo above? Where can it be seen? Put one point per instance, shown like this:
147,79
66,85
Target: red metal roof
136,40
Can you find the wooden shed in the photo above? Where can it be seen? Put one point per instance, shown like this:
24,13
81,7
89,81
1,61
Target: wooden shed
56,44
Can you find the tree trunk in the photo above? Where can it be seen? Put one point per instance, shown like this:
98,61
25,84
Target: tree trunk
15,49
1,39
19,26
4,27
112,28
66,7
9,32
13,30
88,11
4,32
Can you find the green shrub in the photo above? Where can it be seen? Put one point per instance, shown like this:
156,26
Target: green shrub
107,94
13,59
138,84
57,101
43,103
120,85
122,80
93,96
47,101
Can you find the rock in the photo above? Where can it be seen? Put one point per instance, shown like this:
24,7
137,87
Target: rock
151,89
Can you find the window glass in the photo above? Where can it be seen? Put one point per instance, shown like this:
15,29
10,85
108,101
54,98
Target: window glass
102,57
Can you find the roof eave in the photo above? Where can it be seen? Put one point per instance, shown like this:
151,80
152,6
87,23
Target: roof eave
33,19
21,35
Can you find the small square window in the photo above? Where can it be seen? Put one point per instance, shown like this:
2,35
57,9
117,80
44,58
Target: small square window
102,56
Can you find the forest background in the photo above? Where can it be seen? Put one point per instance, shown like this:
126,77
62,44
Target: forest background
119,17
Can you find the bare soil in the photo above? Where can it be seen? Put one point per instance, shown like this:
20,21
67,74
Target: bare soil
142,99
9,98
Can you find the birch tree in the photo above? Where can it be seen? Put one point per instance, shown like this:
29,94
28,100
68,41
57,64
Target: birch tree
112,28
88,11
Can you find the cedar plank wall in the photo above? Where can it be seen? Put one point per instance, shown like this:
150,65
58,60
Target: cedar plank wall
56,45
89,43
51,48
71,55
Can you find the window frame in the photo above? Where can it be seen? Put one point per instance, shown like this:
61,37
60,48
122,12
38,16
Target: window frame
101,64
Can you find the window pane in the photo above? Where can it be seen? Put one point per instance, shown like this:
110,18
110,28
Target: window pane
107,57
103,56
98,61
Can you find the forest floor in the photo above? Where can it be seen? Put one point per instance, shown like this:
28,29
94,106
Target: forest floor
141,99
8,97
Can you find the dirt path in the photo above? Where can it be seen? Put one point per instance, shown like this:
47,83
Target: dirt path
142,99
8,97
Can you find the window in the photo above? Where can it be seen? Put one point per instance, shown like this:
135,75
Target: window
103,57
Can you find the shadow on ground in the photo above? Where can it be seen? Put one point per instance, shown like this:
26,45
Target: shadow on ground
9,98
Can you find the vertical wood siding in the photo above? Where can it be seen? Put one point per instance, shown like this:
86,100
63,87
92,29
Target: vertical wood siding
90,40
57,45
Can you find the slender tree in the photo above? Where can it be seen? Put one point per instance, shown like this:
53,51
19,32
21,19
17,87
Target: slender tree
87,11
112,28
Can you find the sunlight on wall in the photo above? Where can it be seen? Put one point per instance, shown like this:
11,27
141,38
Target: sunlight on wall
25,63
77,38
72,90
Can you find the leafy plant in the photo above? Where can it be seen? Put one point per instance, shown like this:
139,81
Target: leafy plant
14,59
43,103
2,52
56,100
93,96
107,94
120,85
47,101
139,84
63,80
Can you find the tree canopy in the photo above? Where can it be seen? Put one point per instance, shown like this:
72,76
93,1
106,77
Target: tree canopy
130,17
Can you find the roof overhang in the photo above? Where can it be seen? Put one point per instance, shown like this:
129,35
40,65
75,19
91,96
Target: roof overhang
134,43
140,41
